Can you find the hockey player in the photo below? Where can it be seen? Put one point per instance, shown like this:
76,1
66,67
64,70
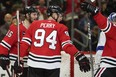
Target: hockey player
102,41
46,39
108,59
8,46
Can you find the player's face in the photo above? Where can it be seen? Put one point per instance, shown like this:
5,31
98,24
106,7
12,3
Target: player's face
34,16
60,18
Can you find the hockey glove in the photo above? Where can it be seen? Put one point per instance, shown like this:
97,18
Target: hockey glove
18,69
89,8
83,61
4,61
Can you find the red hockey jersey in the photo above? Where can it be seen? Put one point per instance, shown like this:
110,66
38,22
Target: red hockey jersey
109,52
9,42
46,39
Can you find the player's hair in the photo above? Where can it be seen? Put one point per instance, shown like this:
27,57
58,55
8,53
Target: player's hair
53,9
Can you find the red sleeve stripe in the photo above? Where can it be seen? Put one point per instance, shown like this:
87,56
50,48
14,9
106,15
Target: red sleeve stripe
27,40
108,27
5,44
66,42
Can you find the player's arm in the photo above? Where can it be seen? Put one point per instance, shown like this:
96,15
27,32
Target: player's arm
5,46
68,47
101,20
9,40
26,42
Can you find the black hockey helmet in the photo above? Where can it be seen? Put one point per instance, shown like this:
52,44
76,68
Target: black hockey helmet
112,17
29,10
53,9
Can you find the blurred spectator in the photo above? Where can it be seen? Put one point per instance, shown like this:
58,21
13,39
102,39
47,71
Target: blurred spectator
94,37
16,7
28,2
2,13
104,7
68,13
55,2
111,7
41,9
8,4
4,28
84,22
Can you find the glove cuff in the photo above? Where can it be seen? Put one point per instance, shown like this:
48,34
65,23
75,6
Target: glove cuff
77,53
4,57
80,56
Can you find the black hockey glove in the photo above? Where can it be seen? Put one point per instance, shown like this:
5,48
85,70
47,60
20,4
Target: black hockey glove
83,61
4,61
89,8
18,69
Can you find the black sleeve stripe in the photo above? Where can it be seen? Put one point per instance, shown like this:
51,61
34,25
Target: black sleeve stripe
27,40
107,29
5,45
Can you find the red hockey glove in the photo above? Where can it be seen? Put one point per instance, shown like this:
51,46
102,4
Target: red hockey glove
89,8
18,69
83,61
4,61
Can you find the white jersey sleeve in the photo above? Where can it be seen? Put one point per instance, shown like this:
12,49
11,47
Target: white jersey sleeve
99,49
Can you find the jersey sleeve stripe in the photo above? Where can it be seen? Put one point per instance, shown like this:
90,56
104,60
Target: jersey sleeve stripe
44,59
108,27
5,44
99,72
108,61
66,42
99,48
27,40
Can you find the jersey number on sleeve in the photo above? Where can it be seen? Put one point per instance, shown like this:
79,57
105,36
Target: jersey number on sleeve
9,33
51,38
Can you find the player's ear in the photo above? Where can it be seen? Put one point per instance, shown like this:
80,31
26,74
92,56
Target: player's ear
27,15
54,15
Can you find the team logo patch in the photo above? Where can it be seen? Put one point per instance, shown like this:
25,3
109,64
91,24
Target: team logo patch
66,32
23,33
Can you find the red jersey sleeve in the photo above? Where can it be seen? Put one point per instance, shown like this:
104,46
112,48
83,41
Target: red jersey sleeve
101,21
107,27
66,42
8,40
26,42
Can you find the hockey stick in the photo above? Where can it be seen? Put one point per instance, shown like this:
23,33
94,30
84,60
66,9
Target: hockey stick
90,50
18,43
90,47
8,72
18,33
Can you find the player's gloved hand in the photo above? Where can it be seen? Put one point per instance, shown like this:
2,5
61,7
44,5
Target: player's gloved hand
4,61
18,69
89,8
83,61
